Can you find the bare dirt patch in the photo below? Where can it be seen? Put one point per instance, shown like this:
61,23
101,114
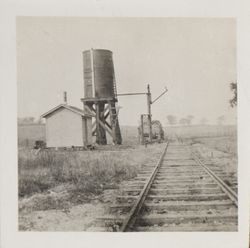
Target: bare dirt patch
76,218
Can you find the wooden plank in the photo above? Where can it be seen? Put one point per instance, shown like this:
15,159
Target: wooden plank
188,197
190,206
189,228
112,122
158,219
104,127
101,99
181,185
186,191
98,132
106,123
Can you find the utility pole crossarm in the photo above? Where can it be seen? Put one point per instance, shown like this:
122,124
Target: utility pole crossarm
164,92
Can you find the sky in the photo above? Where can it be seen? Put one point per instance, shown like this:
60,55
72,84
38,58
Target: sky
195,58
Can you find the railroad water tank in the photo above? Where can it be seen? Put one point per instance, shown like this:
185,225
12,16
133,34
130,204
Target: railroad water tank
98,74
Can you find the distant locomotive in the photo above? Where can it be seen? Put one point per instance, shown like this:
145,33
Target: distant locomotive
143,130
157,130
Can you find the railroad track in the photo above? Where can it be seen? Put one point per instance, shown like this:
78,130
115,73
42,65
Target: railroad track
179,193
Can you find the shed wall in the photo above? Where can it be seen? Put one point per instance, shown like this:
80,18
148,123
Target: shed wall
64,129
89,128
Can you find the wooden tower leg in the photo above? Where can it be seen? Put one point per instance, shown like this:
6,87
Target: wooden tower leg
112,114
100,126
116,132
100,131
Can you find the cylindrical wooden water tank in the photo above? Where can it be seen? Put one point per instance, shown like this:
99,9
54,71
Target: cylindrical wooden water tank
98,74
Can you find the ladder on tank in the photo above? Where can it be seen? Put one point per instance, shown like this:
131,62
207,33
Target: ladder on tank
114,111
113,115
114,85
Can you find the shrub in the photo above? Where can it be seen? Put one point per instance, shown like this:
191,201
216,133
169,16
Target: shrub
28,186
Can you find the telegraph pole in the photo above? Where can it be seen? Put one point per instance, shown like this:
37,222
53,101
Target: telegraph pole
149,102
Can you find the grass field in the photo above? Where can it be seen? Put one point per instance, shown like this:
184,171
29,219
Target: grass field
93,171
74,182
221,138
27,134
198,131
63,180
227,144
86,173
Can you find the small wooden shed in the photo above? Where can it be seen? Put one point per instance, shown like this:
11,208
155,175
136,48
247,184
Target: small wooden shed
68,126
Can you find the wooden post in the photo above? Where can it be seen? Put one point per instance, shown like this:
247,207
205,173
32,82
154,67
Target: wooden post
97,124
149,113
101,123
142,130
112,121
85,132
117,127
65,97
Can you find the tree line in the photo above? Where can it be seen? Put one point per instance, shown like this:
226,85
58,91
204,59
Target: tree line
29,120
173,120
188,120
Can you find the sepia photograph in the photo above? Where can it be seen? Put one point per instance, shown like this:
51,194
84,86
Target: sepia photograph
127,124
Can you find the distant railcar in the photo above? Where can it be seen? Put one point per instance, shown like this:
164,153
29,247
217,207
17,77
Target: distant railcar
157,131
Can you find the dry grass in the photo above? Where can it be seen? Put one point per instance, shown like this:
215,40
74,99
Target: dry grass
57,179
223,144
86,173
220,138
197,131
78,177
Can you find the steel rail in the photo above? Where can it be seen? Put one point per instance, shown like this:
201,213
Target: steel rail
131,218
230,193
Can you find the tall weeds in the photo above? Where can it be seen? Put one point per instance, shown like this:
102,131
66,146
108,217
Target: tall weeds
88,172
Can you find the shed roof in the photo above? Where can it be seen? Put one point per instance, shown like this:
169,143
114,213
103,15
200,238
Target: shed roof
69,107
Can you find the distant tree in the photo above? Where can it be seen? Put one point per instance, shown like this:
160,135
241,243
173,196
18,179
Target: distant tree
221,120
26,120
189,119
233,101
183,121
172,120
203,121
